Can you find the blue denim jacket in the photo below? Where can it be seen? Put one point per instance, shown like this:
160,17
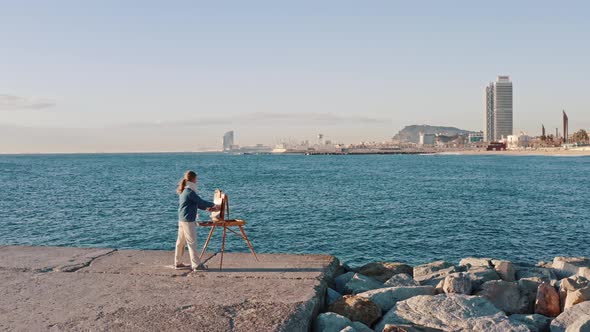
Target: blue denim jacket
188,203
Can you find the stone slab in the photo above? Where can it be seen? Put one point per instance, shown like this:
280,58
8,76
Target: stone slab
138,290
44,259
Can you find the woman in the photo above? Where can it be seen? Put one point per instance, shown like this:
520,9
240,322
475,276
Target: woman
188,203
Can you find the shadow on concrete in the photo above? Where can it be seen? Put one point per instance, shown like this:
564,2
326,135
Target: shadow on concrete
261,269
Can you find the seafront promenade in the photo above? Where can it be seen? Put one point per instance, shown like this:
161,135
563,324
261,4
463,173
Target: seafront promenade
75,289
555,152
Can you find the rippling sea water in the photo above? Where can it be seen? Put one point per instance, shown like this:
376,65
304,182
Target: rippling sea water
360,208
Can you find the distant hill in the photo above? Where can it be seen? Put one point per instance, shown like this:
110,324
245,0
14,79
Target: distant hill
412,133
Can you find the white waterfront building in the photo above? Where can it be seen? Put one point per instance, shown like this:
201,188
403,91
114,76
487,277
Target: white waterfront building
498,109
515,142
426,139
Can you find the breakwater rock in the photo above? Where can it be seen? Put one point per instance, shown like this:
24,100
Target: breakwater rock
477,294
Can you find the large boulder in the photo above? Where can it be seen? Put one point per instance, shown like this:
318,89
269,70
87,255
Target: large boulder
457,283
332,296
578,296
570,285
402,279
506,296
340,270
535,322
360,327
548,265
528,289
357,327
426,269
438,289
356,308
360,283
341,280
573,319
525,271
547,303
479,275
450,312
333,322
474,261
533,279
330,322
570,266
505,270
582,324
382,271
432,279
386,298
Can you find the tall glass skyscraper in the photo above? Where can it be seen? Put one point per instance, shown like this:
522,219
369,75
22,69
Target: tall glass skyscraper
228,141
498,114
488,130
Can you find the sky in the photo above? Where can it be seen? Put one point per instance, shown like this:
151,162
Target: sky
122,76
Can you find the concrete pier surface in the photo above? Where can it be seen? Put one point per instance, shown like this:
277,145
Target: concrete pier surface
61,288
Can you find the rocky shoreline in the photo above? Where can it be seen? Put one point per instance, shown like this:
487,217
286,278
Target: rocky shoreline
478,294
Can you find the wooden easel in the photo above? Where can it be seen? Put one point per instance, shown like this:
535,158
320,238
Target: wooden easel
219,220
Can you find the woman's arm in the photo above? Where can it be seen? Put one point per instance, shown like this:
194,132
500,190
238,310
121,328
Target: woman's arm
201,203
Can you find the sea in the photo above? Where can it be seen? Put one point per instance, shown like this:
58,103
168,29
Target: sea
360,208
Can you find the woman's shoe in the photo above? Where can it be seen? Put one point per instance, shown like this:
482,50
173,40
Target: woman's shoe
201,267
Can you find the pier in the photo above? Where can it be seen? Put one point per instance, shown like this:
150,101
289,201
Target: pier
62,288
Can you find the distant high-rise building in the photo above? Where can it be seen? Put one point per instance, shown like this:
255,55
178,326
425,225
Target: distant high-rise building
565,128
503,125
498,109
228,140
488,131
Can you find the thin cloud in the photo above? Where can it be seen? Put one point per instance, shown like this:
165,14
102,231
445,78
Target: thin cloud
262,118
323,118
12,103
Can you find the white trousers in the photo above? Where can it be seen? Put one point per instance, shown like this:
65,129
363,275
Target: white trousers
187,235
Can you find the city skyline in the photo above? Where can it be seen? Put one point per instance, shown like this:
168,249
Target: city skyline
138,77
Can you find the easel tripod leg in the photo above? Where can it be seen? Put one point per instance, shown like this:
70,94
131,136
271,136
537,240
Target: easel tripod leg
248,242
222,247
207,242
